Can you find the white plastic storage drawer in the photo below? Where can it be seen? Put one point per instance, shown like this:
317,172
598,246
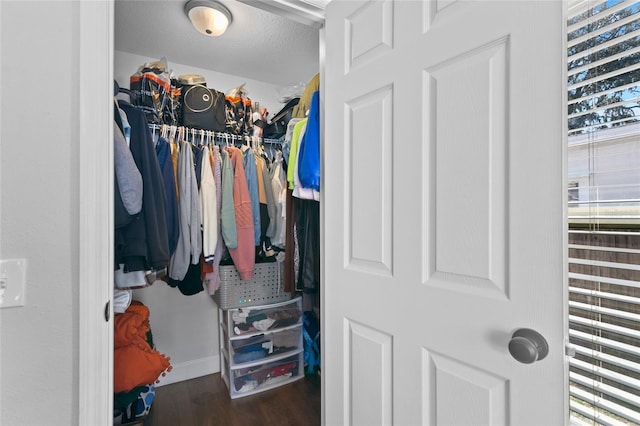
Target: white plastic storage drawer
251,380
261,347
260,319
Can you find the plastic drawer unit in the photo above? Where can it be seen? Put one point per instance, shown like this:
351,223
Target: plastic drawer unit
261,347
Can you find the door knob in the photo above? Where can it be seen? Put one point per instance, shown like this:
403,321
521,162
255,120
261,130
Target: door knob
528,346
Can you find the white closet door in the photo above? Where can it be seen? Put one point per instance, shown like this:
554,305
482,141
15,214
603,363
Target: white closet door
443,211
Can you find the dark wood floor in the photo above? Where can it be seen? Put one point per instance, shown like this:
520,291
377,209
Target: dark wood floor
206,401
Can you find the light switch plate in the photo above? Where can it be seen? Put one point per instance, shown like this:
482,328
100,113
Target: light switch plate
12,282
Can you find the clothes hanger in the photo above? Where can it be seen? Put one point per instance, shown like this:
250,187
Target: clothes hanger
153,134
172,133
171,136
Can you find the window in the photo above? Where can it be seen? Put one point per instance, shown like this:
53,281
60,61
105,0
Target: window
574,191
604,210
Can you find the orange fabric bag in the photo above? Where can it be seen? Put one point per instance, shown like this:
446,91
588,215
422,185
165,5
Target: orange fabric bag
135,362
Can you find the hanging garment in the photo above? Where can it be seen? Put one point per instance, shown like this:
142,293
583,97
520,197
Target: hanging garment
262,201
192,282
278,185
227,211
212,279
300,110
291,253
251,174
265,181
308,163
163,151
175,151
244,255
126,127
208,207
197,162
189,244
145,243
308,233
128,177
290,241
298,190
286,145
121,216
293,152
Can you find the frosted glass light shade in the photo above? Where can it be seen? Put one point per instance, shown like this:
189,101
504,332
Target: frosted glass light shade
208,17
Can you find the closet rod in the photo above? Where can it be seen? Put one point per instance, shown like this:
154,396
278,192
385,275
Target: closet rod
221,136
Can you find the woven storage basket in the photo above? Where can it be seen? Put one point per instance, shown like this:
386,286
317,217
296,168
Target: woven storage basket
267,286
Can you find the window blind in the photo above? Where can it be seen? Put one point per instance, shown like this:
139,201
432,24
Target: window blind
603,73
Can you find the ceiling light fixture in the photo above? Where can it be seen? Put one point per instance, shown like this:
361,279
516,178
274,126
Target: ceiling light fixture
208,17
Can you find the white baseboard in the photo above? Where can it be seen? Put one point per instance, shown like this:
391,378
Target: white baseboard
191,369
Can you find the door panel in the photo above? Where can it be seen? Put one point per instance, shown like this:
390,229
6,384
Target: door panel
469,170
368,381
443,211
369,196
459,384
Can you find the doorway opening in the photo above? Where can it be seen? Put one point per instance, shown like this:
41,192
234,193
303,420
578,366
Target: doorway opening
191,354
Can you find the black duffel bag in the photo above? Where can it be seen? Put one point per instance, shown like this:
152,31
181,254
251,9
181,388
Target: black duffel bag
203,108
278,126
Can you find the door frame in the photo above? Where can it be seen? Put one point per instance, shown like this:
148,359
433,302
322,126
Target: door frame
95,293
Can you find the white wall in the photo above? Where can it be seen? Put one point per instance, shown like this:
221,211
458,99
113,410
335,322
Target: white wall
605,164
39,210
185,328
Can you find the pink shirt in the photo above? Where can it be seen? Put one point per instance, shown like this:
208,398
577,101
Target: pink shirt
244,255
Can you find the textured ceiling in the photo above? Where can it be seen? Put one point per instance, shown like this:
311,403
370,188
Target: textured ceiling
257,45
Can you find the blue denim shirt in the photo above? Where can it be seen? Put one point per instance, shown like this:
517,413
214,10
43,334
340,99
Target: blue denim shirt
249,164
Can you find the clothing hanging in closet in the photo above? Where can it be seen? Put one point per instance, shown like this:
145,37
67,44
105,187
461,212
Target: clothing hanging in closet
302,148
143,244
226,201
